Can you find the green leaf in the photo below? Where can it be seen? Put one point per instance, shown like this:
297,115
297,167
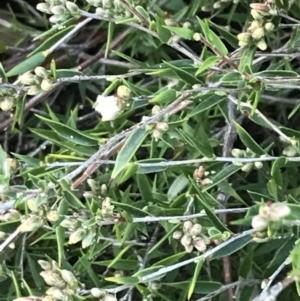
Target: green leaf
201,196
184,75
195,278
67,73
128,150
71,135
131,169
273,189
229,37
145,188
275,170
29,64
145,169
247,58
165,97
52,40
276,73
110,34
182,32
212,37
209,62
233,247
123,280
246,264
3,73
248,141
163,33
177,186
222,175
231,77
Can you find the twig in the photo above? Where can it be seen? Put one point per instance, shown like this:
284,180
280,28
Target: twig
9,240
206,255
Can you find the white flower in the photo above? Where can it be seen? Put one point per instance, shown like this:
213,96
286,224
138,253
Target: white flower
108,107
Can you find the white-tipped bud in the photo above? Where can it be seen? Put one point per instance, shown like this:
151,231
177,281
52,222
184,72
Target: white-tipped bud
34,90
244,37
27,79
258,165
124,93
155,110
58,10
98,293
162,126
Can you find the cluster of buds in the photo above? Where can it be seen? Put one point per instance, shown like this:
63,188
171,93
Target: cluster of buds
63,283
111,107
239,153
191,237
96,191
270,212
158,128
114,8
200,176
259,27
61,10
40,214
211,5
80,231
39,81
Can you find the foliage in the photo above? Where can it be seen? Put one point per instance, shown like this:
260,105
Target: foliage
149,150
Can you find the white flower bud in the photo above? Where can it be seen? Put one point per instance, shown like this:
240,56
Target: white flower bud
186,240
258,33
177,234
262,45
72,8
97,293
7,103
196,230
43,7
27,79
187,226
41,72
46,85
199,244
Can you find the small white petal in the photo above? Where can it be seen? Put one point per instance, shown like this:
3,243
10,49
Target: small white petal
107,106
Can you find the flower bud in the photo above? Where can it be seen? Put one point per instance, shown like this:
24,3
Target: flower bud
243,44
55,19
244,37
279,211
46,85
162,126
247,167
199,244
67,276
238,153
197,36
12,215
199,173
217,5
186,240
290,151
34,90
58,294
31,203
48,298
30,224
187,226
53,216
27,79
256,14
196,230
44,8
77,236
259,223
254,25
41,72
72,8
45,265
258,165
189,248
269,26
124,93
58,10
156,134
262,45
98,293
51,278
177,234
7,103
258,33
